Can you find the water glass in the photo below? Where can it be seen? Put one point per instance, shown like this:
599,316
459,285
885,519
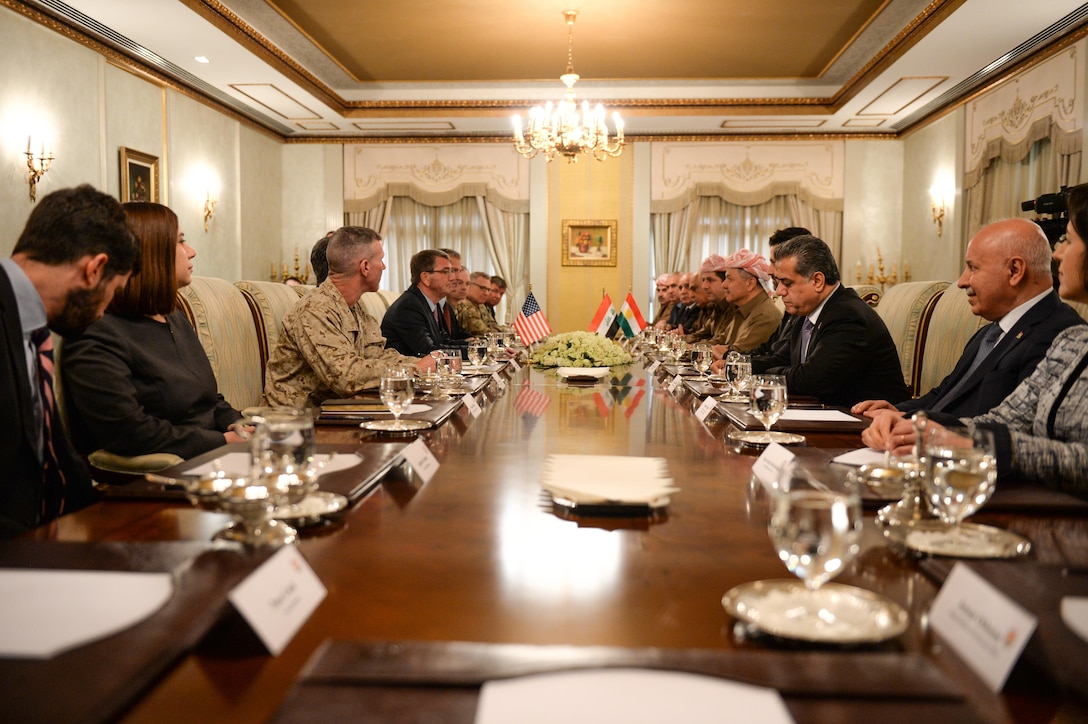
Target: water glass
396,393
961,470
768,399
701,358
738,373
816,531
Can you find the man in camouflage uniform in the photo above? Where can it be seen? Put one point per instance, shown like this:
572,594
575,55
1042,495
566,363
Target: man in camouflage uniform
472,315
330,347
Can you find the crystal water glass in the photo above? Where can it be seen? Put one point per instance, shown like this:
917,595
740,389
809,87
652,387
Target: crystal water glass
738,373
767,399
396,393
961,469
815,531
701,358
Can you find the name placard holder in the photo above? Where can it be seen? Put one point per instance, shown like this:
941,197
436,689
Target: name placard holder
709,405
277,598
472,405
984,626
499,380
420,458
676,382
653,368
769,465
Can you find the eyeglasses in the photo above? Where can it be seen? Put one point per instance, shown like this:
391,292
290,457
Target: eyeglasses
447,270
480,286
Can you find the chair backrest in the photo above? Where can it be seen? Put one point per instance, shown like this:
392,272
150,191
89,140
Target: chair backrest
1080,307
950,326
375,303
869,294
220,315
269,302
906,309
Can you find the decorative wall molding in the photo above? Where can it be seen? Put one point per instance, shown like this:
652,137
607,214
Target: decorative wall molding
752,172
436,169
1043,101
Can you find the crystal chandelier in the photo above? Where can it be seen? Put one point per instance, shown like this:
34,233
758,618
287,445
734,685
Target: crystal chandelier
565,129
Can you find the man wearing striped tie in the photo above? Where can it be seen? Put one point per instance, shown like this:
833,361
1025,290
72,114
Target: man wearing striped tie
76,250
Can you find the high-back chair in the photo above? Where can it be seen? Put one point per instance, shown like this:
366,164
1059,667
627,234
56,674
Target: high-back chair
869,293
269,302
950,326
906,309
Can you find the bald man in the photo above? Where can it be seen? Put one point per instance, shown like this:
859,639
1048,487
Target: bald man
1008,282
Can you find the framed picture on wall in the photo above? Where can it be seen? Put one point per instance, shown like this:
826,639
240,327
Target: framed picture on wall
589,243
139,176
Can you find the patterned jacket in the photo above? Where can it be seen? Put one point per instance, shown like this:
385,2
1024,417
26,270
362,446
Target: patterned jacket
327,350
474,318
1041,429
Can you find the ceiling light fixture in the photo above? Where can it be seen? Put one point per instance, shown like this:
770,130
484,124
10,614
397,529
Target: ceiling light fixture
563,129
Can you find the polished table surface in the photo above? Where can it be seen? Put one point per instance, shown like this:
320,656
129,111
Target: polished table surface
477,554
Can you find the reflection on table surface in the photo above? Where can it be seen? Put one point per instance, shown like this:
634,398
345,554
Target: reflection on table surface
479,554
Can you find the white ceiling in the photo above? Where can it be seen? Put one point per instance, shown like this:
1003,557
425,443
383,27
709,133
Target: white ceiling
459,69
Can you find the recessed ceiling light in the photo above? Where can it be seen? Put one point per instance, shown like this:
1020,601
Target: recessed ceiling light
201,59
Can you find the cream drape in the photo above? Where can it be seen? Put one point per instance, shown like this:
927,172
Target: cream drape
681,239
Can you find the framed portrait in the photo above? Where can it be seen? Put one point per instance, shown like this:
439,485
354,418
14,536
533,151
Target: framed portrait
589,243
139,176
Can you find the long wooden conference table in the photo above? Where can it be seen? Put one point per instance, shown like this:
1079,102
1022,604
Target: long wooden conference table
435,587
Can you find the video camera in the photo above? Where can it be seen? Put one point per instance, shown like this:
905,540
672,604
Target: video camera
1054,204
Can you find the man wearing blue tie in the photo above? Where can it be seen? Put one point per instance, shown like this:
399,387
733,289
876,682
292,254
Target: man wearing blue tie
1008,282
845,353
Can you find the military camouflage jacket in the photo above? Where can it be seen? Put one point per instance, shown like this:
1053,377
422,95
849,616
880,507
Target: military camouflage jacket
327,350
474,318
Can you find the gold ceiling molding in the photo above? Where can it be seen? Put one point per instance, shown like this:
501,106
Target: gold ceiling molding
678,138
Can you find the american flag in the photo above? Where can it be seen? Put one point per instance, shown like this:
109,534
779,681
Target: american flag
531,324
530,402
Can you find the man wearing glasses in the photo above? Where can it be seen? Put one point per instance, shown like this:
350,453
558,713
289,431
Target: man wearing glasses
472,312
413,325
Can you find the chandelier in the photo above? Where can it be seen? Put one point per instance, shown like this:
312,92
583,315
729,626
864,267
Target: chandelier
565,129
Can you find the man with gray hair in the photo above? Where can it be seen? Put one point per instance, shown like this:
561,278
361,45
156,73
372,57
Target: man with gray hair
1007,280
330,347
839,350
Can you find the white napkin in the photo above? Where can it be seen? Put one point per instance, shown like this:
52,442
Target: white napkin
606,478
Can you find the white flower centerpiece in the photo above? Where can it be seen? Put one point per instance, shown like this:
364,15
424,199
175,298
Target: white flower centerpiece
580,349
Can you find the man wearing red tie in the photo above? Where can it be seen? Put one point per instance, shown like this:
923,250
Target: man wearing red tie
76,250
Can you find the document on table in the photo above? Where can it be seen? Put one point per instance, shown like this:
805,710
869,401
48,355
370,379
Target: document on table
818,416
238,463
606,478
861,456
47,612
635,695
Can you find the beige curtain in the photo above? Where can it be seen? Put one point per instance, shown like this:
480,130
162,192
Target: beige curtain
508,243
712,225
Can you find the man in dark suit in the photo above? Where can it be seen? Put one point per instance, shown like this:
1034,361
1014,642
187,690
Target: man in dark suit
1008,282
413,324
76,250
839,350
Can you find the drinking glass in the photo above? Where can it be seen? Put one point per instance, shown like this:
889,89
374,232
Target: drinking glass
767,399
396,394
449,374
679,347
701,358
476,354
738,373
816,531
961,470
283,471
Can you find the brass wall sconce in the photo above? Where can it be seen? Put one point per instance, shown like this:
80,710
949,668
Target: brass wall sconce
209,209
36,166
938,216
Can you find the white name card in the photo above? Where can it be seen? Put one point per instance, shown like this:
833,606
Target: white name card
498,380
708,406
769,465
653,368
514,363
472,405
981,624
421,459
277,598
676,382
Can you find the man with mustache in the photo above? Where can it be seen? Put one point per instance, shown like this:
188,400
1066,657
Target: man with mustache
76,250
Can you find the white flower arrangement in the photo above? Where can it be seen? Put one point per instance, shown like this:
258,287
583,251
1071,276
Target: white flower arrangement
580,349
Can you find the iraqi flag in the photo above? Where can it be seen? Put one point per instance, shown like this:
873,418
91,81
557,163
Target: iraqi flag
604,320
630,318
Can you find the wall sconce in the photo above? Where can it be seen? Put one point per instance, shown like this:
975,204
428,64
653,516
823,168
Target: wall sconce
36,167
209,209
939,208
